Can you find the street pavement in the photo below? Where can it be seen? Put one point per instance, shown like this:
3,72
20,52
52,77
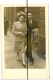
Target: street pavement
10,56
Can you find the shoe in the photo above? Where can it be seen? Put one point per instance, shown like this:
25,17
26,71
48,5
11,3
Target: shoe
31,63
25,65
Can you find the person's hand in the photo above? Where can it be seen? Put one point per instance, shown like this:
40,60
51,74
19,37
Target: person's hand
21,34
35,31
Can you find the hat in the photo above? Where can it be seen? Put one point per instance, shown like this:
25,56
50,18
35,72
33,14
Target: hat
21,13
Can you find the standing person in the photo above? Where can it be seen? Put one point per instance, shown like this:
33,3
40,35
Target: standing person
20,30
5,26
31,28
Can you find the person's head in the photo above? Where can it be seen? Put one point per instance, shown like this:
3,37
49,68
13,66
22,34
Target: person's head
29,15
21,16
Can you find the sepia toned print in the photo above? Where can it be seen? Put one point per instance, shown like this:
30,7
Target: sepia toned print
36,40
24,41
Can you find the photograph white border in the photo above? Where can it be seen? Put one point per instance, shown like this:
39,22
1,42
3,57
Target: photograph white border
43,73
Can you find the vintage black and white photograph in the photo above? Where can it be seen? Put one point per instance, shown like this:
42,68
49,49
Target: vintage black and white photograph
24,37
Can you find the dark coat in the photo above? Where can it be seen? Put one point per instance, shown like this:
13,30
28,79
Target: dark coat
29,32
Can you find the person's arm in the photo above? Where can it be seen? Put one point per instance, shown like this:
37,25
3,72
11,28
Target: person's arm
25,30
35,29
14,31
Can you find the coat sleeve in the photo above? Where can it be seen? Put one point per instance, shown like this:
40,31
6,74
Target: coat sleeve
35,29
14,29
25,30
35,24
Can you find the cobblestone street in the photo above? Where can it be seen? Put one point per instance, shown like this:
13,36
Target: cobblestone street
10,56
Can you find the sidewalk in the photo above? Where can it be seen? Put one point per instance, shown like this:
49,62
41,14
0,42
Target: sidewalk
10,56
